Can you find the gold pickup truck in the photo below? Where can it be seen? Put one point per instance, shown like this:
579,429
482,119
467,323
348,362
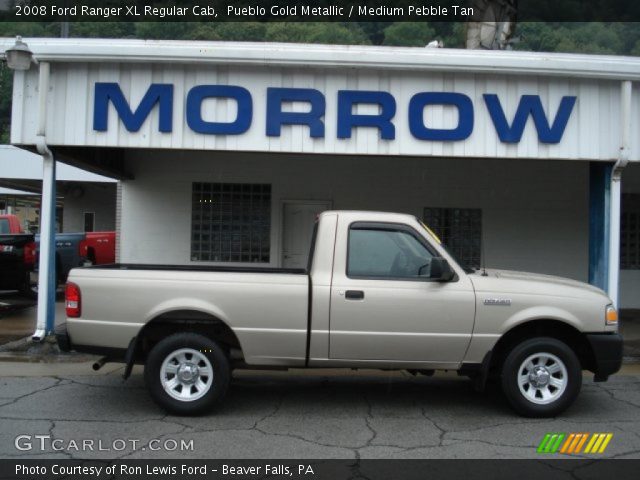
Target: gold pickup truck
380,291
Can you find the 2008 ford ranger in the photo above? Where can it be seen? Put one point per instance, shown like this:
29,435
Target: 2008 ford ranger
380,292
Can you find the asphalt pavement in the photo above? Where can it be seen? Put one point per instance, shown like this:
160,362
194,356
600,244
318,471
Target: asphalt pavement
297,414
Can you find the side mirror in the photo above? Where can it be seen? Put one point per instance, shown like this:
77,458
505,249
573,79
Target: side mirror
441,270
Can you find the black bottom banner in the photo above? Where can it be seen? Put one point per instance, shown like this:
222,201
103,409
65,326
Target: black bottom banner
319,469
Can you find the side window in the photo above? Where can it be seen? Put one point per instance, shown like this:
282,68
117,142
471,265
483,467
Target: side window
386,253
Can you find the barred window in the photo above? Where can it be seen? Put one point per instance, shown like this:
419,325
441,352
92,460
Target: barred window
460,229
231,222
630,232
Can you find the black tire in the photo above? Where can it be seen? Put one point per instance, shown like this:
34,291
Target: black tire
166,349
528,400
28,289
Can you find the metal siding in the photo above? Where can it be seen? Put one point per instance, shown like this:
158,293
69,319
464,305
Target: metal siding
635,122
592,131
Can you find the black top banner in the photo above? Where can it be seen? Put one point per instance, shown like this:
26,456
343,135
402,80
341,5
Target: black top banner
322,10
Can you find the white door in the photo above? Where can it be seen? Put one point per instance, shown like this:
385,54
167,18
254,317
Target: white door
297,229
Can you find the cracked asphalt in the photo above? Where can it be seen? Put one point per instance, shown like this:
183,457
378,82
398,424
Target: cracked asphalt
298,414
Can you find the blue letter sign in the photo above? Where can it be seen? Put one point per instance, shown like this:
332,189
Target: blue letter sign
194,109
313,118
416,116
529,104
347,119
160,93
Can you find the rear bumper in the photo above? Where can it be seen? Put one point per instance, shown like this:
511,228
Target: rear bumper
62,337
607,354
64,342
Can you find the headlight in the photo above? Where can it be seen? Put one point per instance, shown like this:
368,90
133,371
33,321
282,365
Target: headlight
610,316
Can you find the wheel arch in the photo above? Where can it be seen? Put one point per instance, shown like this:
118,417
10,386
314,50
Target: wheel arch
177,321
544,327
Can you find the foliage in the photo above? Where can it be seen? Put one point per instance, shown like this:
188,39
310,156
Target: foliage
410,34
315,32
6,85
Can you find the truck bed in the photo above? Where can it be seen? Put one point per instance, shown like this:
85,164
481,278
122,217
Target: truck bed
266,308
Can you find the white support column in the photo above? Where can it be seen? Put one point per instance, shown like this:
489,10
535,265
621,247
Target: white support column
616,191
614,240
46,278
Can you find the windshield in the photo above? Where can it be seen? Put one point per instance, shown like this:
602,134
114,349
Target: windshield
435,237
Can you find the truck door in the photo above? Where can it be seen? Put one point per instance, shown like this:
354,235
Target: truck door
385,307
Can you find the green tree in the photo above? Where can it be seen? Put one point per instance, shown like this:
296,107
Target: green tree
29,29
6,87
408,34
163,30
315,32
102,29
592,37
242,31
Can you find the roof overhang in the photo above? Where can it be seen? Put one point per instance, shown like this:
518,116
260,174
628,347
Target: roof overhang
332,56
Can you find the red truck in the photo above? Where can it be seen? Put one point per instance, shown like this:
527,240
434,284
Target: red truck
99,248
18,254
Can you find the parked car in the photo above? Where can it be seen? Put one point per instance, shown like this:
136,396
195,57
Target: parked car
81,249
17,255
99,248
381,291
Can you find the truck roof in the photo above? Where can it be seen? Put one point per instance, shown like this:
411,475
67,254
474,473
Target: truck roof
371,215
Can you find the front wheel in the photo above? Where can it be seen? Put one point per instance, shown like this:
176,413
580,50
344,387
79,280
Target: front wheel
541,377
187,373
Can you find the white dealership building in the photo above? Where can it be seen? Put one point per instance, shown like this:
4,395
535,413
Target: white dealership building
227,151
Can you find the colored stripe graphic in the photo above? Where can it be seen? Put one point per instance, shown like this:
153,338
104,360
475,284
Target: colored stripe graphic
551,442
582,442
598,443
543,443
572,443
567,444
576,444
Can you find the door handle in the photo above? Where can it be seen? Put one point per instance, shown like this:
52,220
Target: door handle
354,295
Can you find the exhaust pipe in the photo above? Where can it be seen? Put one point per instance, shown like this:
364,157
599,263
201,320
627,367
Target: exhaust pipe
100,363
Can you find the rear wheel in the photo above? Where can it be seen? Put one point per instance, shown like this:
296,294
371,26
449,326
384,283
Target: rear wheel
187,373
541,377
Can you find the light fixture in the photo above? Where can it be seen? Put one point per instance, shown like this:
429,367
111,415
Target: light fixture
19,57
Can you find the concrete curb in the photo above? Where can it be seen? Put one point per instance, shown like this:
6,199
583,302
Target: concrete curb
25,350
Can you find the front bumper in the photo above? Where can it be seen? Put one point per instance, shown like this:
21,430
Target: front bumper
607,354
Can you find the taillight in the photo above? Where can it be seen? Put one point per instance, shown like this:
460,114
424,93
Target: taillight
29,253
72,301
